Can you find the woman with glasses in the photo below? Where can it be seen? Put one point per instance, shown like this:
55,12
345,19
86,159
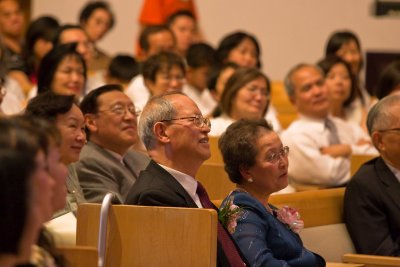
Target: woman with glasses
246,96
256,160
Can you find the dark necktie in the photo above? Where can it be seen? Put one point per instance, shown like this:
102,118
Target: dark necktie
333,134
227,243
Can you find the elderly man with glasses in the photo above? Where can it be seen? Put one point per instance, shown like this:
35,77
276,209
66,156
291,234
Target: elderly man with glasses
372,197
175,135
107,162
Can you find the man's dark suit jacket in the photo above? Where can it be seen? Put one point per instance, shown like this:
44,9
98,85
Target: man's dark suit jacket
156,187
372,209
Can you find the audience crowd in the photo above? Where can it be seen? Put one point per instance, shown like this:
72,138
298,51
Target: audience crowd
77,122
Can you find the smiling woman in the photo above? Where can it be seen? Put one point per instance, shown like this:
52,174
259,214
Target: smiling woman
246,96
63,70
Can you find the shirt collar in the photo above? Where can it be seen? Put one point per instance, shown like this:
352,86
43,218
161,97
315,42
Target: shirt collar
319,124
188,182
394,170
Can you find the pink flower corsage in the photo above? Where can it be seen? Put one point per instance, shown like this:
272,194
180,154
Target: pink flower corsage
228,215
290,217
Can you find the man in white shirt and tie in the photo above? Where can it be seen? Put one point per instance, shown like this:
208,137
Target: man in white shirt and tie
320,144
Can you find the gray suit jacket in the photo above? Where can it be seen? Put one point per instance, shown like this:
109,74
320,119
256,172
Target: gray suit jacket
99,172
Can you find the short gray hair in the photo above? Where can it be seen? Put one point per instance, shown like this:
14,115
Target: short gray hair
380,116
288,82
158,108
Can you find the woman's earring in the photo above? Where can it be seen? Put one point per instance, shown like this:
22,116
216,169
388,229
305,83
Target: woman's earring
250,180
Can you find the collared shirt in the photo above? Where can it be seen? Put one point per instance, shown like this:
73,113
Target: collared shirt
138,92
188,183
395,171
307,165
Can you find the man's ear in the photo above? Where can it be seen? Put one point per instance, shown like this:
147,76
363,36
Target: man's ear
160,131
377,141
90,122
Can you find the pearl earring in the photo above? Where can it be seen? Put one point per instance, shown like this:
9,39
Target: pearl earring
250,180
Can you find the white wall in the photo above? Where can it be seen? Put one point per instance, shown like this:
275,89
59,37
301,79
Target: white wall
289,31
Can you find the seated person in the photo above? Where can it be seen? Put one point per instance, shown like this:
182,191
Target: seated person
163,72
121,70
63,111
62,71
321,144
246,96
200,60
183,25
371,201
342,90
175,135
153,40
107,163
257,161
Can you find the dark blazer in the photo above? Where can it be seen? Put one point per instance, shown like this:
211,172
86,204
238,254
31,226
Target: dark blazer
372,209
100,172
156,187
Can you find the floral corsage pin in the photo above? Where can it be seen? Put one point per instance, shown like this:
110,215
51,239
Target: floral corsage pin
228,215
290,217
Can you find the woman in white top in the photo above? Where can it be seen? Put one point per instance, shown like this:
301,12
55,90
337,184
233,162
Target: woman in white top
246,96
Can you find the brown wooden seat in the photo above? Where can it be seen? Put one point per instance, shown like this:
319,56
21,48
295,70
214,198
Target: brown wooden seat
216,156
80,256
152,236
357,160
215,180
286,111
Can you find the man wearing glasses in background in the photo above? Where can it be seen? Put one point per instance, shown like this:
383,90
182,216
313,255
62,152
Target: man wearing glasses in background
107,163
175,135
372,197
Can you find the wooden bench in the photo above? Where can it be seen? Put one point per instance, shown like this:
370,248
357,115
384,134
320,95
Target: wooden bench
80,256
152,236
357,160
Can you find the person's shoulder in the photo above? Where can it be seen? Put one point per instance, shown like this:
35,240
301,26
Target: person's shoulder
137,156
365,177
246,201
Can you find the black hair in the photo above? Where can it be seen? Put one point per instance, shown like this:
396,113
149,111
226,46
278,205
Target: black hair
48,105
388,80
231,41
179,13
200,55
161,61
88,10
150,30
57,36
52,60
45,28
123,67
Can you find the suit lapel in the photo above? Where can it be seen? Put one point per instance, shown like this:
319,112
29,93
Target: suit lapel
159,172
390,181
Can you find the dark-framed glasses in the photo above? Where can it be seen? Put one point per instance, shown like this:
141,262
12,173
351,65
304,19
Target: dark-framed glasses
397,130
120,110
275,157
198,121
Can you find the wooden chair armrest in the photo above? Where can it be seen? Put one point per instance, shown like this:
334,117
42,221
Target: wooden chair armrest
371,260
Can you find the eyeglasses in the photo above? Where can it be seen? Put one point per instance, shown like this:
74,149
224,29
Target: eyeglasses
120,110
275,157
390,130
254,90
198,121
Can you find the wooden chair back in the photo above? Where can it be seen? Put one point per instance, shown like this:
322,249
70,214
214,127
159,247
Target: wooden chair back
216,156
80,256
155,236
357,160
216,181
285,109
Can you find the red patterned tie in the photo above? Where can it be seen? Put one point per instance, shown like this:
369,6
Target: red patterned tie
227,244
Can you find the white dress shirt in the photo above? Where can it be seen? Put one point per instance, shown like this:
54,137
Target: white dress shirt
307,165
203,99
138,92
